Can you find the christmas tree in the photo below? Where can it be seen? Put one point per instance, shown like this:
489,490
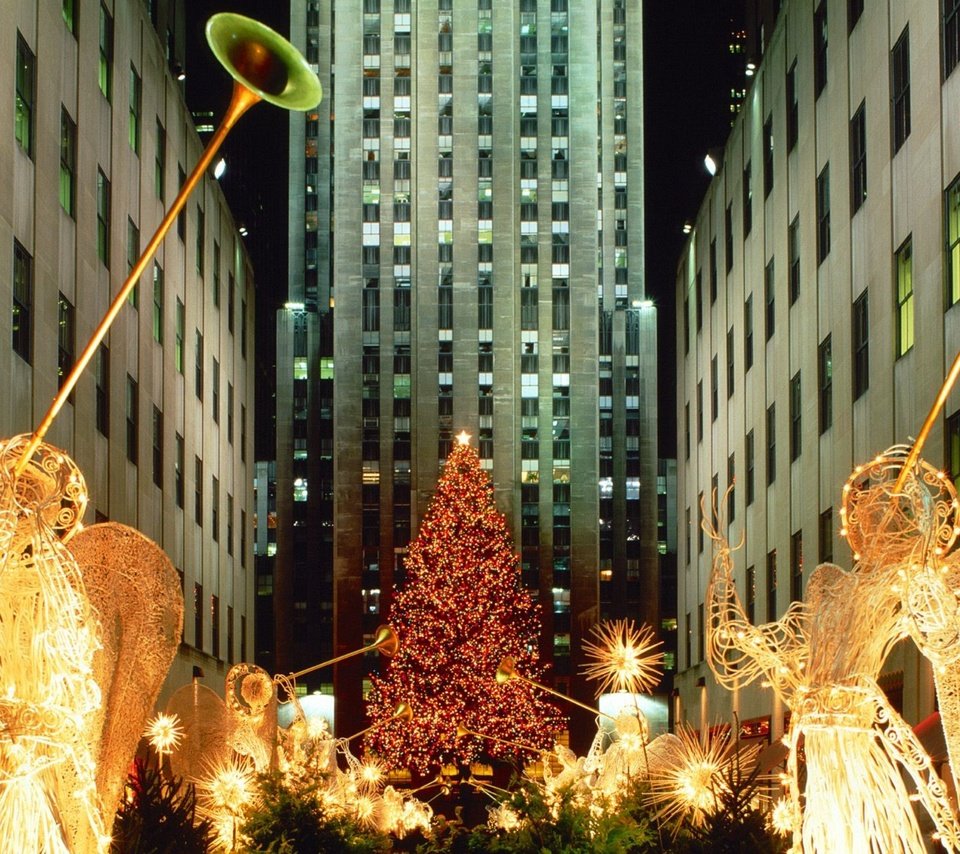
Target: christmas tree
461,610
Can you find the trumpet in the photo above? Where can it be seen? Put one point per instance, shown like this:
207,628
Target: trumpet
264,67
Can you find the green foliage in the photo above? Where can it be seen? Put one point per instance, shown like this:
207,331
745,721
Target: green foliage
567,827
159,817
292,820
738,825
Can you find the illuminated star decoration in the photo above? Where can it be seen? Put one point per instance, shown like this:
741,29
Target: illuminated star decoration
164,732
463,437
223,796
623,658
690,784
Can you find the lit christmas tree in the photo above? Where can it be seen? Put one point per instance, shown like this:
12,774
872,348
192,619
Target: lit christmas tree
461,610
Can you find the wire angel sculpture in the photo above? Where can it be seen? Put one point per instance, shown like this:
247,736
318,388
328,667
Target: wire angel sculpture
823,656
89,622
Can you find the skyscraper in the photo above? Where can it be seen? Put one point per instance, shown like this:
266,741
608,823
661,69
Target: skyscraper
466,254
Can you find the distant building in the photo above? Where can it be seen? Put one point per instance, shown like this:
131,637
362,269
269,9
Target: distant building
466,253
818,312
99,140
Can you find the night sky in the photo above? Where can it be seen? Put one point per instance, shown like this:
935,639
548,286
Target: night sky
686,113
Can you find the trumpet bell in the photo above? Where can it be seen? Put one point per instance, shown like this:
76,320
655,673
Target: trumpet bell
263,61
387,641
403,712
507,670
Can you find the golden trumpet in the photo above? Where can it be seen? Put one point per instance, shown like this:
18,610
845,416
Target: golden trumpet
265,67
462,731
386,640
507,670
403,712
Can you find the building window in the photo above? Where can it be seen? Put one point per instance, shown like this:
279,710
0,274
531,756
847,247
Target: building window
198,605
796,436
769,294
748,334
136,95
771,443
178,473
231,310
751,593
714,390
793,108
201,242
771,585
854,11
713,271
215,509
182,216
900,89
68,163
698,295
751,467
69,9
198,366
700,411
796,566
26,84
825,382
178,343
858,158
198,491
951,36
823,214
133,255
952,231
229,524
731,503
230,413
825,536
793,240
215,626
216,274
22,302
243,433
66,339
157,447
728,237
820,48
103,218
747,201
215,384
767,156
105,69
861,346
731,366
160,162
102,370
157,303
905,297
686,430
133,419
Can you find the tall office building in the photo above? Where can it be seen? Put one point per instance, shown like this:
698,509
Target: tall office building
819,294
466,254
95,145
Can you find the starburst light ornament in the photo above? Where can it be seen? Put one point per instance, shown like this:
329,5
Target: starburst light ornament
164,733
624,657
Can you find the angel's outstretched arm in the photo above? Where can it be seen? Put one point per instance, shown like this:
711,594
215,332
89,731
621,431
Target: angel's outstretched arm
738,651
